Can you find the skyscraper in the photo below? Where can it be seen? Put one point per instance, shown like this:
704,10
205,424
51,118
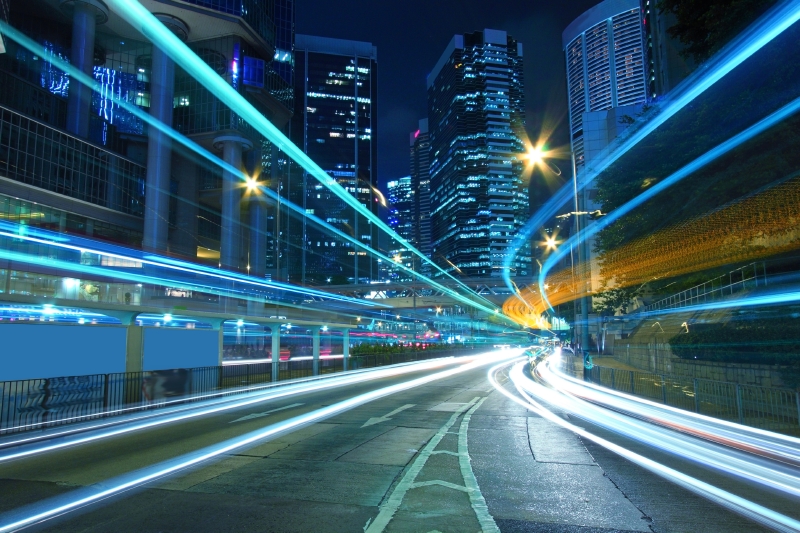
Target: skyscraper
476,120
335,123
402,219
606,64
420,142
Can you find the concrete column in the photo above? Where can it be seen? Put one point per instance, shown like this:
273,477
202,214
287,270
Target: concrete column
134,349
276,351
232,187
86,15
183,239
159,145
346,349
259,214
315,349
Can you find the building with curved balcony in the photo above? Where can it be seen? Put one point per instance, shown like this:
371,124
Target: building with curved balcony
606,64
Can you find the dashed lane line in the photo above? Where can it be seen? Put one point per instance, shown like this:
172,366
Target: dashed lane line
470,486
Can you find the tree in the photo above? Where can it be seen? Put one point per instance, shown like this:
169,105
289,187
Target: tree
705,26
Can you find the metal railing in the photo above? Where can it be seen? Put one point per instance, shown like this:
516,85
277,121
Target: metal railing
39,403
749,276
772,409
35,153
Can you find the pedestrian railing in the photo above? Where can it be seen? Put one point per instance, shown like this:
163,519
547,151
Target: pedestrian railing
772,409
40,403
747,277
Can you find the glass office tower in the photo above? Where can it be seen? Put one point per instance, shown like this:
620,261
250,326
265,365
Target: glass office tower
402,218
606,63
336,86
476,121
420,141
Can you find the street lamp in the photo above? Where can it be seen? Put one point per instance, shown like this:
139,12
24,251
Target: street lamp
537,155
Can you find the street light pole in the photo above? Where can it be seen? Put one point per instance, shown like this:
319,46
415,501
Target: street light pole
582,257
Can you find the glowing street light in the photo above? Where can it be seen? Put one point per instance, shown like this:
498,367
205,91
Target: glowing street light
536,154
551,243
251,184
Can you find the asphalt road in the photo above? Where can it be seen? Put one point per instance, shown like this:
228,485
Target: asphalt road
452,455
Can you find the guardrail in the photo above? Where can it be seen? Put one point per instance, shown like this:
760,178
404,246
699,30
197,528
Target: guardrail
746,277
39,403
772,409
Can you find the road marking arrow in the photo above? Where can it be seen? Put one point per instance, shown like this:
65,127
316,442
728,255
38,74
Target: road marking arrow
384,418
265,413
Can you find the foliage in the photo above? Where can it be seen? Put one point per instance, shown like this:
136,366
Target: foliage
764,83
609,301
773,341
705,26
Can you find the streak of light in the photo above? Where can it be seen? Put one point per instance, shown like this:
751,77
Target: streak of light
79,498
775,476
139,17
731,501
748,439
217,406
777,219
739,50
77,76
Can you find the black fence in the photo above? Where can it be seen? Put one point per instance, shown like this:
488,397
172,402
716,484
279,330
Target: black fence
40,403
772,409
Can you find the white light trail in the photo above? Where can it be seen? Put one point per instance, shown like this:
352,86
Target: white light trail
751,510
103,430
82,497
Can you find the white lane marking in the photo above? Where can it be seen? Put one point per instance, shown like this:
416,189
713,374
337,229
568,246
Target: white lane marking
378,419
265,413
396,498
476,499
84,496
441,483
447,452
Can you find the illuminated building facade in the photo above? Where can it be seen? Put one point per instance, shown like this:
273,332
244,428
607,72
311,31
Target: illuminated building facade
476,121
606,64
402,219
420,141
105,174
334,121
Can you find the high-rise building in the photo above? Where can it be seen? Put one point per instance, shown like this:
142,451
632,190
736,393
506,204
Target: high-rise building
109,177
606,64
420,141
667,68
335,123
476,120
402,219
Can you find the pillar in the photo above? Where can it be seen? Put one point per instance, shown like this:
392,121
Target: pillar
232,147
86,15
276,351
315,349
345,349
183,238
259,215
159,145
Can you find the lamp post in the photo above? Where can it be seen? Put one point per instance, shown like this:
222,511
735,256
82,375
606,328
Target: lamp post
537,155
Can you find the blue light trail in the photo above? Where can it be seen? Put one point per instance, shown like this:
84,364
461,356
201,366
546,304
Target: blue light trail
709,157
472,299
759,34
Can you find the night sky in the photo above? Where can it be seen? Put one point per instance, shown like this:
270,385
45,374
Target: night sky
411,36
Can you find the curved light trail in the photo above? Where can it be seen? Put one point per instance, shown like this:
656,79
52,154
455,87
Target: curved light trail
739,50
471,299
760,225
60,505
749,509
